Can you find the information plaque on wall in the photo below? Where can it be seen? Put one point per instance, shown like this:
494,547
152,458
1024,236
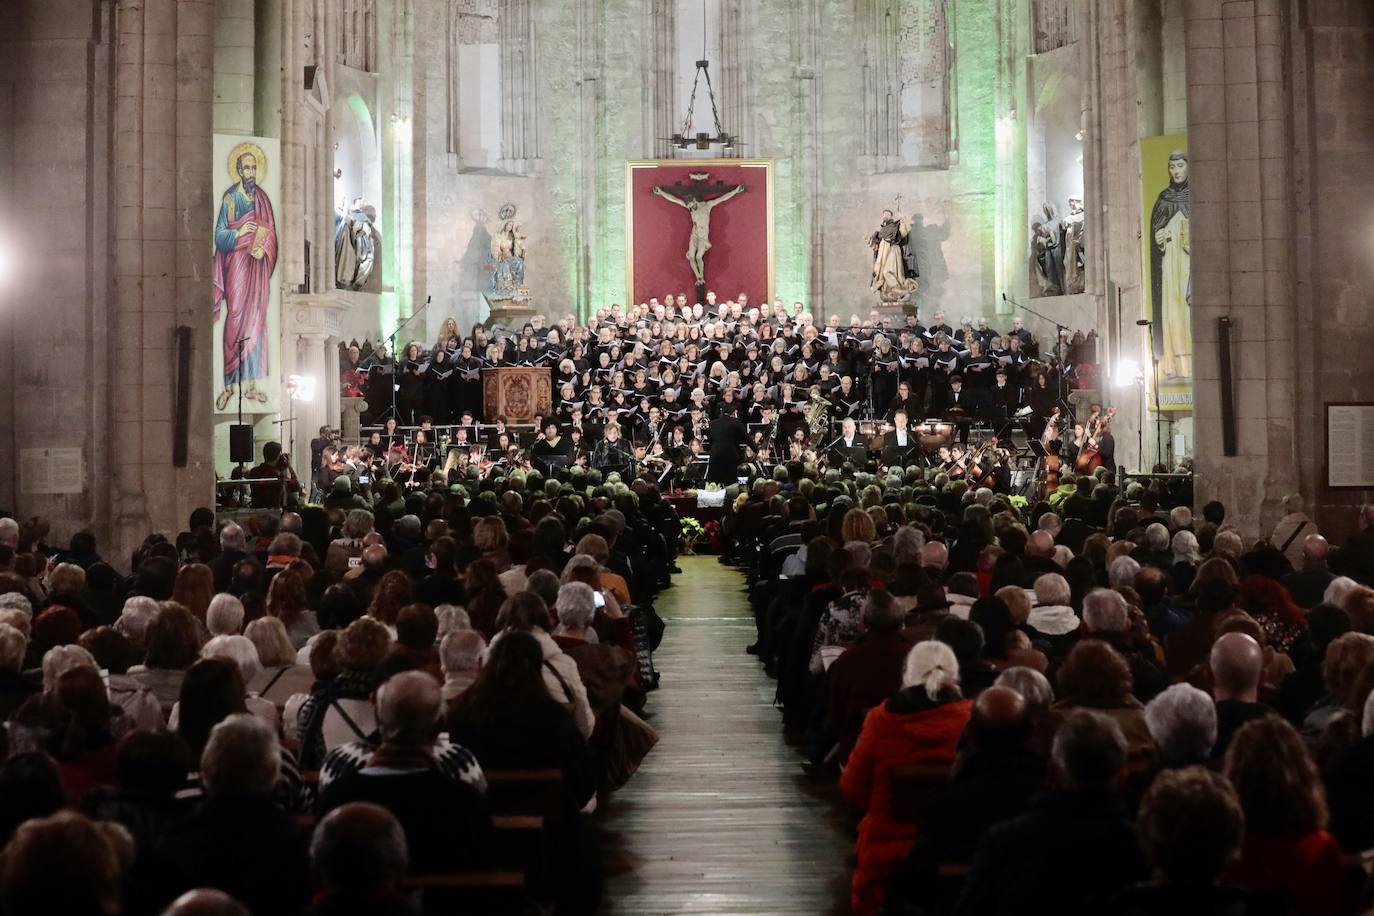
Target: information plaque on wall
50,470
1350,445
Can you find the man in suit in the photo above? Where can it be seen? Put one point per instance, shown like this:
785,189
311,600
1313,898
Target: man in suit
849,437
728,436
900,437
956,396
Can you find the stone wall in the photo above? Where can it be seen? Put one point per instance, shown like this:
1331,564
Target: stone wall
107,132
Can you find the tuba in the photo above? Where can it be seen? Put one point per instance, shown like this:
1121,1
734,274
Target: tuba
818,419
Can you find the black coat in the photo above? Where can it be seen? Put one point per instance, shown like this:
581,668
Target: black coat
1023,866
728,436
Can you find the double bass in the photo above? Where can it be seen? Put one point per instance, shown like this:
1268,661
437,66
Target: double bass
1090,457
1050,440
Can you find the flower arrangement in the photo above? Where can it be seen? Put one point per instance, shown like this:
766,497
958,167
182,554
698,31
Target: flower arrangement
692,532
713,534
1019,502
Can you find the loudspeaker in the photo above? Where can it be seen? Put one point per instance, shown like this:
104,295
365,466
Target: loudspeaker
241,443
309,80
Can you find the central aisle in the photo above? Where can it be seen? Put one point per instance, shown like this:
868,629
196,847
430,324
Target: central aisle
721,818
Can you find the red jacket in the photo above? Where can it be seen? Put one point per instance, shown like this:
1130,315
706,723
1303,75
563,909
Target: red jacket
1306,870
888,740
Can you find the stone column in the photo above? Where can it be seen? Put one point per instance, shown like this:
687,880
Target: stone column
1242,268
235,64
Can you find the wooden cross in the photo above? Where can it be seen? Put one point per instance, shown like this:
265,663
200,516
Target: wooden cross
699,189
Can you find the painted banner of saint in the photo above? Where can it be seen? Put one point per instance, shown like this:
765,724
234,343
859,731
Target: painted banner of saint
1168,264
245,260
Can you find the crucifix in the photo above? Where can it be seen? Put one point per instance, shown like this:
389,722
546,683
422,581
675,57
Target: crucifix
693,198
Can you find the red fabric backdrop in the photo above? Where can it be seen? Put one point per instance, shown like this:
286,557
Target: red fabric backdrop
738,258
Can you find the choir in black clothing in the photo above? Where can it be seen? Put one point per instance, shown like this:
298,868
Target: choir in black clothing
661,373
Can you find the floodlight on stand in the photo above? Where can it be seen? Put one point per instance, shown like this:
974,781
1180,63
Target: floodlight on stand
301,388
1126,373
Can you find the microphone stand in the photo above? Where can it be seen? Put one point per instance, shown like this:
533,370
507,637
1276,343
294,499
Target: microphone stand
391,345
1058,330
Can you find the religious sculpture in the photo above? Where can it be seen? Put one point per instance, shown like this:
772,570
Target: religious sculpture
356,244
894,262
245,259
508,259
1071,234
700,208
1171,290
1047,251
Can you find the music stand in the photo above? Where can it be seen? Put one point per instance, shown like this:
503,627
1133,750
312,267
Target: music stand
896,455
856,455
549,464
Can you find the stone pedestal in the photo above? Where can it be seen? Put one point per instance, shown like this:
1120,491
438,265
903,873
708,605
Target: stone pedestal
510,313
350,422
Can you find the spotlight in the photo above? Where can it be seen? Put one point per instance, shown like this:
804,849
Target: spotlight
301,387
1126,373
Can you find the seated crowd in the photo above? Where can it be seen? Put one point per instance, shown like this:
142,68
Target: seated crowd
1096,705
331,711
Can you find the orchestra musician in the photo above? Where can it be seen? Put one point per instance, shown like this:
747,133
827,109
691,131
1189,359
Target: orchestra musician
900,435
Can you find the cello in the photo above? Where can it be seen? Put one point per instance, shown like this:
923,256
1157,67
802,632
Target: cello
1090,457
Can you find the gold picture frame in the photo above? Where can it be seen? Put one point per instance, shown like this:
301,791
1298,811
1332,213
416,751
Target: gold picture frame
632,164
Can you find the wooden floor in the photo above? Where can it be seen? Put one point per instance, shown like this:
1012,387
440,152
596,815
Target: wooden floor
721,818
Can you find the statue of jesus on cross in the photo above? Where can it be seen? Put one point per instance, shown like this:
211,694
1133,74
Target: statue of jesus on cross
700,208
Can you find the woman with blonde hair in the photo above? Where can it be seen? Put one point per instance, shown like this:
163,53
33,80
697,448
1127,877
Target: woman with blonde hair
280,677
858,526
919,725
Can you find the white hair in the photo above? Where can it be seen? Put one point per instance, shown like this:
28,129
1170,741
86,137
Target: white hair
13,644
931,665
907,544
9,533
1337,589
1104,611
241,759
1062,555
1052,589
576,605
1122,572
237,649
1050,522
1183,722
935,555
224,616
461,650
1157,537
58,660
452,618
231,537
1033,686
133,621
1184,546
1180,517
18,601
860,552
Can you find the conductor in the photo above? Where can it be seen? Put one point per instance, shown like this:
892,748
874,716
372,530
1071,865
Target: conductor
728,436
